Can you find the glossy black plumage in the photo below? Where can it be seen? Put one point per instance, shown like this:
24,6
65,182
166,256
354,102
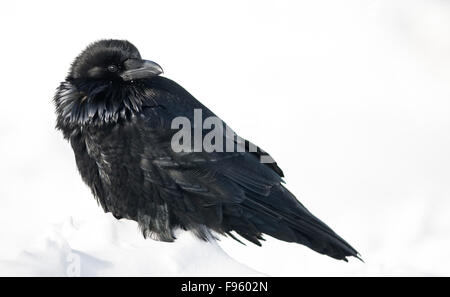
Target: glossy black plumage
120,131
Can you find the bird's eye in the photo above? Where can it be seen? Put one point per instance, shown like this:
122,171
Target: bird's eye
112,68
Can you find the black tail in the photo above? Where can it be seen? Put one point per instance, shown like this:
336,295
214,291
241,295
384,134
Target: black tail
282,216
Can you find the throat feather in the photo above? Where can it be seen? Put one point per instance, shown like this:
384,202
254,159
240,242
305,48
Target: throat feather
97,104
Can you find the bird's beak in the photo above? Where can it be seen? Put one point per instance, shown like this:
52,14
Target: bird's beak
138,69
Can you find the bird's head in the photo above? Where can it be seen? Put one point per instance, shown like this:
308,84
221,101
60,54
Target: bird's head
115,61
108,81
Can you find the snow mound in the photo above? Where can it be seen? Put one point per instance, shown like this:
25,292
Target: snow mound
105,246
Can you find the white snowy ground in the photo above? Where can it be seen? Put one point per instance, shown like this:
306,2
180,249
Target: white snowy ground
352,98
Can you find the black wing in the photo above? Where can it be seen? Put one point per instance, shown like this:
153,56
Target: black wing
229,191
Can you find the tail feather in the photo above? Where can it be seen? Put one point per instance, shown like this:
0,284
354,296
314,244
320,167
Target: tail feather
282,216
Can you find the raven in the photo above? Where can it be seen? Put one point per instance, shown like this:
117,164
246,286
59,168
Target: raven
117,112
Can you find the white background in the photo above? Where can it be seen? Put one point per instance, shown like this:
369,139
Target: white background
350,97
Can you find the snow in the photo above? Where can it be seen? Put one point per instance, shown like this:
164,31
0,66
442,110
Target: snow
351,99
105,246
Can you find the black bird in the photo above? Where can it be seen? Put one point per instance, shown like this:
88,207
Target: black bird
117,113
